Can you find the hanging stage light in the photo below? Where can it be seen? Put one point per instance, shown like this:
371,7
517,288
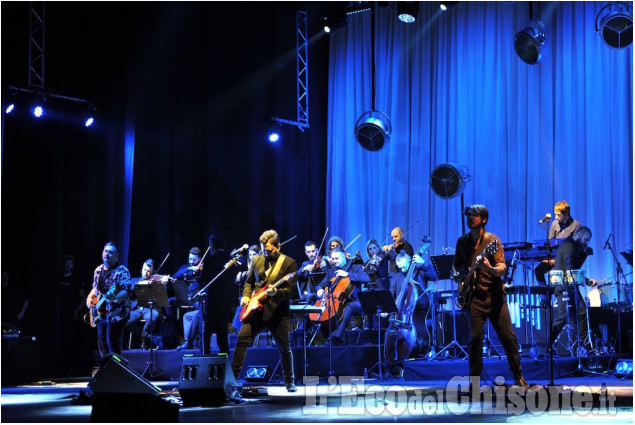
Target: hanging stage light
38,111
529,40
335,19
448,180
407,11
372,130
616,24
273,134
10,107
446,5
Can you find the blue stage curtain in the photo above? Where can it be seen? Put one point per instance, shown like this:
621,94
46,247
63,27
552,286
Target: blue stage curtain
456,92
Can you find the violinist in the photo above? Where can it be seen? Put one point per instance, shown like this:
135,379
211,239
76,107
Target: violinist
398,244
304,283
138,313
191,320
376,266
352,305
422,275
334,242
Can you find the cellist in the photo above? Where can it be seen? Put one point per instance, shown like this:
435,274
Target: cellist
341,268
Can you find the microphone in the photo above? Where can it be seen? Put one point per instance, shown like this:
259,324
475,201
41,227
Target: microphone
240,251
606,244
546,218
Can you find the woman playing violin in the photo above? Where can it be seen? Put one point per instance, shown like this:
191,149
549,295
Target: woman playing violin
376,266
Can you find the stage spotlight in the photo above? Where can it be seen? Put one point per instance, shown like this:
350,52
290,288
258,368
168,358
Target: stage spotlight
10,108
448,180
616,24
89,121
38,111
446,5
257,373
273,134
336,19
529,40
407,11
372,130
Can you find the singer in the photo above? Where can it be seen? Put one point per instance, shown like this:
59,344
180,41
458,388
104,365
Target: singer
562,227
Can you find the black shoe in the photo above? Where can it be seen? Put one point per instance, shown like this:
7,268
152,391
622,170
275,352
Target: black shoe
291,388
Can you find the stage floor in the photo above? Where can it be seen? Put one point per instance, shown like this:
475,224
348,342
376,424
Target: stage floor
368,401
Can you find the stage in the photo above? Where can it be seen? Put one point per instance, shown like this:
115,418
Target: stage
428,391
376,401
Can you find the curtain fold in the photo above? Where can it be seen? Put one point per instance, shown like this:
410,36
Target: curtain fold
457,93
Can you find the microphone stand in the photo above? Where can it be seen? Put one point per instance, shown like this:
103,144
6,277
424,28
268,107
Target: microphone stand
549,309
620,274
226,267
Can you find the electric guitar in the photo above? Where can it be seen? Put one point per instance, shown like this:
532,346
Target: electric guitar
257,299
466,286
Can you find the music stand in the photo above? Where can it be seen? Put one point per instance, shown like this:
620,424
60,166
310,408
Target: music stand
181,292
443,265
151,295
377,302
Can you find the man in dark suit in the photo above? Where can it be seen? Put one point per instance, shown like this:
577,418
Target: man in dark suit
269,268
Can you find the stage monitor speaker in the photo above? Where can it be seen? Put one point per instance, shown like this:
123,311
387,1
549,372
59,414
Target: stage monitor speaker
115,377
206,380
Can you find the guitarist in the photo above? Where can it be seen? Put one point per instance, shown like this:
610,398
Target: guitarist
269,268
109,287
487,298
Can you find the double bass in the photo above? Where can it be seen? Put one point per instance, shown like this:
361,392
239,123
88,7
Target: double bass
342,288
401,335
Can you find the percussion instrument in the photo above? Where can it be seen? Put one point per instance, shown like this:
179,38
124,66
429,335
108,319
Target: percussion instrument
577,276
554,277
609,292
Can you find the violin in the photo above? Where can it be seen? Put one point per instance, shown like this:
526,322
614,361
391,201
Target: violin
158,278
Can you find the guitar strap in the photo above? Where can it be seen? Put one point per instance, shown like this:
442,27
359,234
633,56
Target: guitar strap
275,270
487,238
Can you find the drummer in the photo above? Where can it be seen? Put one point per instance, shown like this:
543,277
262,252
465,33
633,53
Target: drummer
570,256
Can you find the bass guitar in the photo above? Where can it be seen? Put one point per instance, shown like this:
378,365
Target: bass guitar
96,313
466,286
257,299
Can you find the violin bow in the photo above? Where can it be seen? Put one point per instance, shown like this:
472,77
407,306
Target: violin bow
320,248
162,263
289,240
200,263
352,242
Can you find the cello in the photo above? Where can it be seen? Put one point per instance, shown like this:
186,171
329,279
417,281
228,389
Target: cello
342,288
401,335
